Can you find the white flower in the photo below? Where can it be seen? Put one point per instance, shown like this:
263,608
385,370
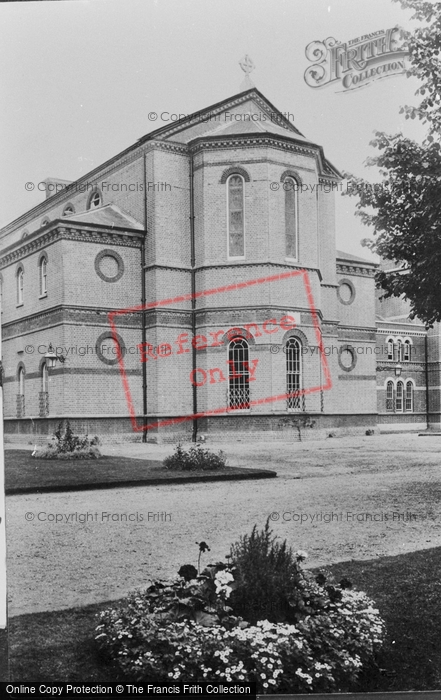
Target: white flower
301,555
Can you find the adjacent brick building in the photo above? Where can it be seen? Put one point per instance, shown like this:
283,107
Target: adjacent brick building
213,238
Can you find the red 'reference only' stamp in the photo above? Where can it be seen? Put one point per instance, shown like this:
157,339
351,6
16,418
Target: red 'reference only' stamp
161,354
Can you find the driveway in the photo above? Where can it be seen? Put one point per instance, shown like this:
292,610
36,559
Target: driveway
338,499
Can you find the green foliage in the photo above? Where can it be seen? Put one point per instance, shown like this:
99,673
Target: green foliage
196,600
184,629
270,581
195,459
299,421
424,46
51,453
404,209
405,213
67,441
66,445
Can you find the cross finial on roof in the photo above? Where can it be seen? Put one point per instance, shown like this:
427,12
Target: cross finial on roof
247,66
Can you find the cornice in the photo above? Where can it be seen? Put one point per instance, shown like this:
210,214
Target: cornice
366,329
288,143
173,146
250,161
323,180
67,315
222,266
395,327
102,235
259,263
359,270
245,141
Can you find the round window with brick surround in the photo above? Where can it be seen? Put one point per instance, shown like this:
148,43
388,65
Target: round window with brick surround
109,266
346,292
107,349
347,358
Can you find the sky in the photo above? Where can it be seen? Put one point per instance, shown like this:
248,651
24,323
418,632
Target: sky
79,79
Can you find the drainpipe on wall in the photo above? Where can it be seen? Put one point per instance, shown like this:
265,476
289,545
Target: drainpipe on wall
143,303
193,299
426,354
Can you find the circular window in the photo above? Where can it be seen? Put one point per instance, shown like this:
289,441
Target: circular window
108,350
109,266
347,359
346,292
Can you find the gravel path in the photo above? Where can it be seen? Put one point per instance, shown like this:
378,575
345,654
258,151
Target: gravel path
60,565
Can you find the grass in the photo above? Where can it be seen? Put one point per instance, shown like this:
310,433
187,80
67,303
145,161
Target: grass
3,655
27,475
407,591
58,646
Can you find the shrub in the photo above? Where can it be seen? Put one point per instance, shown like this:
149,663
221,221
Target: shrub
190,629
66,445
270,581
320,653
52,453
195,459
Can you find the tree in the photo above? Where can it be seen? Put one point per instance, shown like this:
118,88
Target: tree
405,207
300,421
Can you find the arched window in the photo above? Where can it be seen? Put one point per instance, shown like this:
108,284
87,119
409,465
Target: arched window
407,351
44,393
236,237
44,377
399,350
409,397
21,393
293,352
390,348
94,200
399,398
68,210
238,375
291,214
45,221
43,277
390,396
1,293
20,286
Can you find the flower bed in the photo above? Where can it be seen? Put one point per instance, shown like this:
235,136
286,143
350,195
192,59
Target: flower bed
66,445
318,636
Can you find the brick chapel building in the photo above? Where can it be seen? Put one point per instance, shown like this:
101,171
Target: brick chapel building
212,239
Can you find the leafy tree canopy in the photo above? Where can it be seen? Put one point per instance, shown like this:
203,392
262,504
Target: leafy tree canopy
405,207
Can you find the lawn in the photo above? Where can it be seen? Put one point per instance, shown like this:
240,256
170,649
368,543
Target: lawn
24,474
58,646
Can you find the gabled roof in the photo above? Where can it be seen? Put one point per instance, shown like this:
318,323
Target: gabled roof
200,123
270,121
353,258
249,125
108,215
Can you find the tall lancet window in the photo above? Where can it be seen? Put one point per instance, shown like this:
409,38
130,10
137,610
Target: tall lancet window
236,233
293,352
291,217
239,374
